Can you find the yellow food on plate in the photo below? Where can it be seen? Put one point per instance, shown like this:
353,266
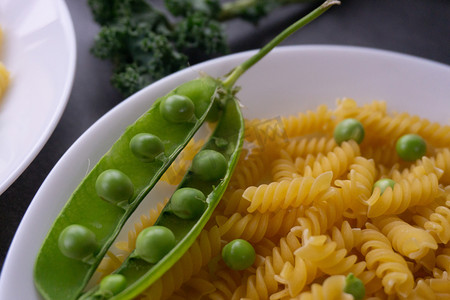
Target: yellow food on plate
316,210
4,74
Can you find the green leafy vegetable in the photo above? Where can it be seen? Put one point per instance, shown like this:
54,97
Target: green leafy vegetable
145,44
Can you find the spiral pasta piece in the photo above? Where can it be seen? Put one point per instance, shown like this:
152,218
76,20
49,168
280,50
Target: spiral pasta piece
439,223
223,286
262,284
250,169
4,79
371,282
322,252
440,286
265,132
284,194
232,202
320,216
196,287
309,122
345,237
284,168
336,161
422,291
421,190
332,288
408,240
4,73
423,166
254,227
295,277
174,174
251,227
301,147
443,260
355,191
442,161
384,155
436,134
389,266
348,108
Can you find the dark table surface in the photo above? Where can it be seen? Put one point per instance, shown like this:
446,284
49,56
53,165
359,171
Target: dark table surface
416,27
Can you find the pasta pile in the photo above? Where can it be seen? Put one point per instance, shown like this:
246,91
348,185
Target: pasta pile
309,208
4,74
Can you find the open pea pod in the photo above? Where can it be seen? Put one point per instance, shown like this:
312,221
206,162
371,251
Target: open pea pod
60,277
227,140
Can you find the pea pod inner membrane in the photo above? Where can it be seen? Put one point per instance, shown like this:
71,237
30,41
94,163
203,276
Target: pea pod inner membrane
140,274
60,277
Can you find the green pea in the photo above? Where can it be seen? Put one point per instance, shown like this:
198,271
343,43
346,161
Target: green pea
146,146
349,129
188,203
77,242
238,254
114,186
355,287
177,108
209,165
411,147
112,285
154,242
384,183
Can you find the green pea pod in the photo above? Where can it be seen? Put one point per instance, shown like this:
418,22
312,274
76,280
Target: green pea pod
139,273
60,277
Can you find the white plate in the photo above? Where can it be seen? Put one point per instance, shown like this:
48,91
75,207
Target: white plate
290,79
39,51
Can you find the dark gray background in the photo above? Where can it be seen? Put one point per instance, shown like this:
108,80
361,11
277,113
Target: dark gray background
416,27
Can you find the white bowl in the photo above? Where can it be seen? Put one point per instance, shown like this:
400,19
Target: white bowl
288,80
39,51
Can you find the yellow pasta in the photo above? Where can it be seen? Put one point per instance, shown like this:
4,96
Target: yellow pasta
284,168
287,193
174,174
389,266
421,190
4,74
309,122
310,209
338,160
406,239
331,289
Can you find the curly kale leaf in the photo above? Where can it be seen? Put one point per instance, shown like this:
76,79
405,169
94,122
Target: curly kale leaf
130,79
184,8
115,41
110,43
158,55
150,57
108,11
200,33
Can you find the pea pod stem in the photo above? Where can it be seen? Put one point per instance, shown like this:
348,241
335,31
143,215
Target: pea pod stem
239,70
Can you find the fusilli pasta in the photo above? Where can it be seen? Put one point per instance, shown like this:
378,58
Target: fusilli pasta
310,209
